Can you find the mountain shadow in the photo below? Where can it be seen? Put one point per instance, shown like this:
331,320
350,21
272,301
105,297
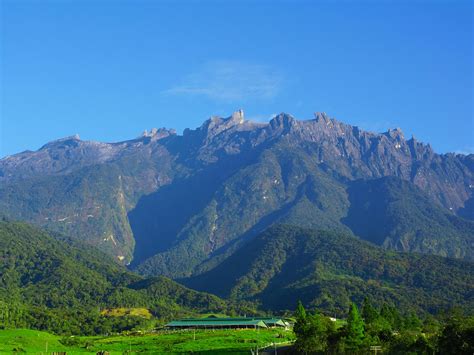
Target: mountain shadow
396,214
468,210
158,218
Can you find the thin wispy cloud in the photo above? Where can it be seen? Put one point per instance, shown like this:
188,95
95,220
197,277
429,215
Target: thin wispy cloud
230,81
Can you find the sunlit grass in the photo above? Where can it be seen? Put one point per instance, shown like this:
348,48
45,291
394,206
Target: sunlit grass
217,341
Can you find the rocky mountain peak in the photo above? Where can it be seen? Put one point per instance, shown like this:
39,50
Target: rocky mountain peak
158,133
395,133
321,116
69,140
238,116
282,121
217,124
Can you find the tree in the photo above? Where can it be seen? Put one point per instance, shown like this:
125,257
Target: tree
412,322
457,336
431,324
379,328
300,311
355,328
314,333
369,313
301,321
392,315
409,342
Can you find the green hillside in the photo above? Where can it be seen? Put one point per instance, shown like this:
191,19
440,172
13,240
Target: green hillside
50,284
87,204
328,270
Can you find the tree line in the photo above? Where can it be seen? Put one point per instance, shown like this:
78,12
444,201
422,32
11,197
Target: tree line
383,329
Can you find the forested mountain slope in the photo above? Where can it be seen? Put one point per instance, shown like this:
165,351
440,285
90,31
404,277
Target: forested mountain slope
328,270
50,284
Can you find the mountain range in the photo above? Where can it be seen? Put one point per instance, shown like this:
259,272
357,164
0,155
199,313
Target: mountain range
179,205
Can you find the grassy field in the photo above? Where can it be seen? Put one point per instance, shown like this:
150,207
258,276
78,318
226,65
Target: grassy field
218,341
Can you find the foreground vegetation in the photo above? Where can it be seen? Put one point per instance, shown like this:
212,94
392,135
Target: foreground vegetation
385,329
232,341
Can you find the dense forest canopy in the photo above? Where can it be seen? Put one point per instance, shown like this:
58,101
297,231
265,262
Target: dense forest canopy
329,270
62,287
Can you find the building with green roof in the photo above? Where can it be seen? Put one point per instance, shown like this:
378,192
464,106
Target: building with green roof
273,322
227,323
216,323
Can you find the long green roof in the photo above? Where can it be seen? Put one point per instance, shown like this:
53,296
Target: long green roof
213,319
270,319
274,321
210,322
228,321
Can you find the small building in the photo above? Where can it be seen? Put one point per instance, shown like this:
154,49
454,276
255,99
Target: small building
274,322
217,323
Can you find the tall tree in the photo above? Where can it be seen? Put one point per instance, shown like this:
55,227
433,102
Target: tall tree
369,313
314,332
392,315
355,328
301,319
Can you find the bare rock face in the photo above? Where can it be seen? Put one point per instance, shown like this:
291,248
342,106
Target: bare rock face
226,167
69,154
158,133
62,155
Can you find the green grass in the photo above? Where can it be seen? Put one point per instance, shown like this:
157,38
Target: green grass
29,341
219,341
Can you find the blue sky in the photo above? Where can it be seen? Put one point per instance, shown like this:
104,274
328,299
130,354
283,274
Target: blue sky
108,70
